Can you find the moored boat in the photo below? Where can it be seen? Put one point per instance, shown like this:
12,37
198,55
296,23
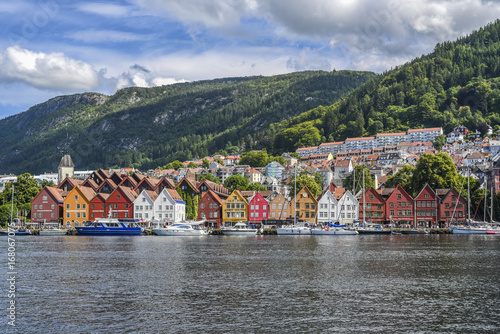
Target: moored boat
239,228
109,227
181,229
52,229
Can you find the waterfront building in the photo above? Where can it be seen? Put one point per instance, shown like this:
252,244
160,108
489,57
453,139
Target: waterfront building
47,206
98,206
278,206
235,208
258,208
121,202
76,206
68,184
188,190
348,208
452,207
210,209
327,208
399,205
372,206
169,207
305,205
426,207
144,205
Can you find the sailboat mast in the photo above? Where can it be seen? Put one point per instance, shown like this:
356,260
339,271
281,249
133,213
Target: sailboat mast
295,197
491,203
468,194
364,204
12,205
485,188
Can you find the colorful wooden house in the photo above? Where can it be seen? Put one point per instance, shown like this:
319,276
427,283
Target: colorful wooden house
47,206
121,202
144,205
68,184
279,208
426,206
258,208
98,206
305,205
327,208
77,206
348,208
399,206
235,208
372,207
210,209
169,206
188,190
452,207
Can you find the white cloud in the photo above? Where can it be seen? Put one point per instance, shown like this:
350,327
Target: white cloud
104,9
102,36
46,71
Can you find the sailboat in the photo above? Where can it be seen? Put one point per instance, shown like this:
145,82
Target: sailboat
475,227
295,229
12,229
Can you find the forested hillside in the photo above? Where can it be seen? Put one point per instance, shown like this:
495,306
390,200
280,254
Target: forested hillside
458,83
149,127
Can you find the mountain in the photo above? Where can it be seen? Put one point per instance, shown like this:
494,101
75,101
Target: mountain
149,127
458,83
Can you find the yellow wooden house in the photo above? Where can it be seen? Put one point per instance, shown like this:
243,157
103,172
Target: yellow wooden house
235,208
76,206
279,208
305,205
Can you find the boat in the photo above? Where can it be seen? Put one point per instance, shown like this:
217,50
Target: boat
293,230
181,229
15,231
109,227
414,231
52,229
240,228
333,229
373,229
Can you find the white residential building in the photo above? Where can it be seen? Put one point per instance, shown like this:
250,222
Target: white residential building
327,208
144,205
165,207
428,134
348,208
384,139
332,148
360,143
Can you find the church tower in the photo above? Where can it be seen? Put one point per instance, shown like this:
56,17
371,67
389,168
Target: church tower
66,168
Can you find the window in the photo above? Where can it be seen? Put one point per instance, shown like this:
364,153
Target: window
41,206
313,206
44,197
34,214
78,207
371,196
307,205
252,207
264,207
297,205
391,204
92,206
78,215
228,205
399,204
274,206
115,206
426,195
36,206
399,196
76,197
84,206
67,214
52,215
256,206
202,205
392,213
52,206
118,197
84,215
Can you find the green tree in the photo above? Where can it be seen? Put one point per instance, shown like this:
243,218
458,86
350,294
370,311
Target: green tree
5,213
357,177
174,165
439,142
25,189
209,177
306,180
255,159
256,187
402,177
192,165
438,171
205,163
236,182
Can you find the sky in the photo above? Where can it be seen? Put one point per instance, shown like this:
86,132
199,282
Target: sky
60,47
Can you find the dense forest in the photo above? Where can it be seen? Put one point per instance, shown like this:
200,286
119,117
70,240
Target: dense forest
150,127
458,83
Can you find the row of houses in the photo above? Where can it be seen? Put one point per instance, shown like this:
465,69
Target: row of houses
148,199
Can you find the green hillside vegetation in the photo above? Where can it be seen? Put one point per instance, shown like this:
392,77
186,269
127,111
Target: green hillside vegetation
458,83
151,127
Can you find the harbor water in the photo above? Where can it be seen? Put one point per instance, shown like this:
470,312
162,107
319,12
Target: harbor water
255,284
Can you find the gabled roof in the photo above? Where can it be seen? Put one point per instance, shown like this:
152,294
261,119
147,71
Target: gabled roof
89,193
213,196
191,182
90,183
71,182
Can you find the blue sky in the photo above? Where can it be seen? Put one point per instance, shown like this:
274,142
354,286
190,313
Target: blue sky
59,47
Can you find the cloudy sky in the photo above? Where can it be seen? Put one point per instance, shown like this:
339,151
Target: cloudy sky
57,47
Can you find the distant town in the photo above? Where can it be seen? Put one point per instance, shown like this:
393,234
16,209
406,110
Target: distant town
169,195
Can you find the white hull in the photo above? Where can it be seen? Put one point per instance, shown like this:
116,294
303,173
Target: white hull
333,232
468,231
240,232
53,232
177,232
293,231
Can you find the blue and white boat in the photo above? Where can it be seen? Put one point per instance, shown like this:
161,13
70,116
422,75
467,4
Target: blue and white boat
110,226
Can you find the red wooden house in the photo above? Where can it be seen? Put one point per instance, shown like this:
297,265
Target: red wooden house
164,183
426,206
107,186
121,202
98,206
452,207
258,208
374,207
47,206
68,184
398,206
210,209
